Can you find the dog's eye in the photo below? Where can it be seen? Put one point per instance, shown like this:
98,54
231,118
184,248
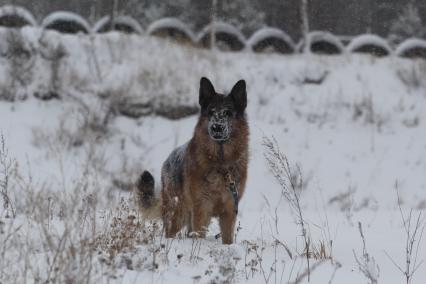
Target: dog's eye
228,113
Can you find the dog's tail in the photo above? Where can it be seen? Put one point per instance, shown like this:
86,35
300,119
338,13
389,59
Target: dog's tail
148,203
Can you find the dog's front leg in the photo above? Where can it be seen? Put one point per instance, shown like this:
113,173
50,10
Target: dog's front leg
201,216
227,224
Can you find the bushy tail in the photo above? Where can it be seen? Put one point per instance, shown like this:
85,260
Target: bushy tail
148,204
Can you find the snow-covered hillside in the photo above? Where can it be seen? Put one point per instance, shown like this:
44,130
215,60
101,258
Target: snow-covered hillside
355,125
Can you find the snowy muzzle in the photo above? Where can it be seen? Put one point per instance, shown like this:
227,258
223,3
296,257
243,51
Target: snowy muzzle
219,128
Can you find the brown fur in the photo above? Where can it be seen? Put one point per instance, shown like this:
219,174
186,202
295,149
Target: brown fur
204,192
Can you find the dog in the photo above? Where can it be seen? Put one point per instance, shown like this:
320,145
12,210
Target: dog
206,177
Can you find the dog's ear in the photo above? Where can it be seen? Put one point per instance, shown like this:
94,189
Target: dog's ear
207,92
239,96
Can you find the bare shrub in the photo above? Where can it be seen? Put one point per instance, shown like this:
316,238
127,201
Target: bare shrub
20,56
54,54
253,261
90,124
223,269
123,231
8,233
414,227
6,167
72,239
364,109
413,77
366,263
56,236
94,118
54,243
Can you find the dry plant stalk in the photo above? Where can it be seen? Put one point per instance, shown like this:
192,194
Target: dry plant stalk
283,173
414,227
367,264
306,273
6,164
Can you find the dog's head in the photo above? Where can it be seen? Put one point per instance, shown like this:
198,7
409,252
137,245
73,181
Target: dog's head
221,111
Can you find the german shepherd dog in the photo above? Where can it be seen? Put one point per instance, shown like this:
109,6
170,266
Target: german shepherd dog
205,177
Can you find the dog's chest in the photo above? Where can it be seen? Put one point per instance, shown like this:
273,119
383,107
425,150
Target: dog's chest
218,178
214,180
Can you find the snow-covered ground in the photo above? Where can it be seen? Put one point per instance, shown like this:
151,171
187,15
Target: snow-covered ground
355,125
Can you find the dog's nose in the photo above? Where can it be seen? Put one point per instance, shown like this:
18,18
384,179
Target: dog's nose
217,127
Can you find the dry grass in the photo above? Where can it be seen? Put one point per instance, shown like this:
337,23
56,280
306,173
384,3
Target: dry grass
290,190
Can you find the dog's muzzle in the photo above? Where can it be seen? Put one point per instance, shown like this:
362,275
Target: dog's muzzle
219,131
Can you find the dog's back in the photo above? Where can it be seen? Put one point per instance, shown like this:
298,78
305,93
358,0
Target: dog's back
172,170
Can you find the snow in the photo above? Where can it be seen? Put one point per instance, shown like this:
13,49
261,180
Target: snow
269,32
409,44
20,11
316,36
222,27
67,17
121,20
368,39
355,136
167,23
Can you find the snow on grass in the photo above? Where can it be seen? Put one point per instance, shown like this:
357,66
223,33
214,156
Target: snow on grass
353,124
